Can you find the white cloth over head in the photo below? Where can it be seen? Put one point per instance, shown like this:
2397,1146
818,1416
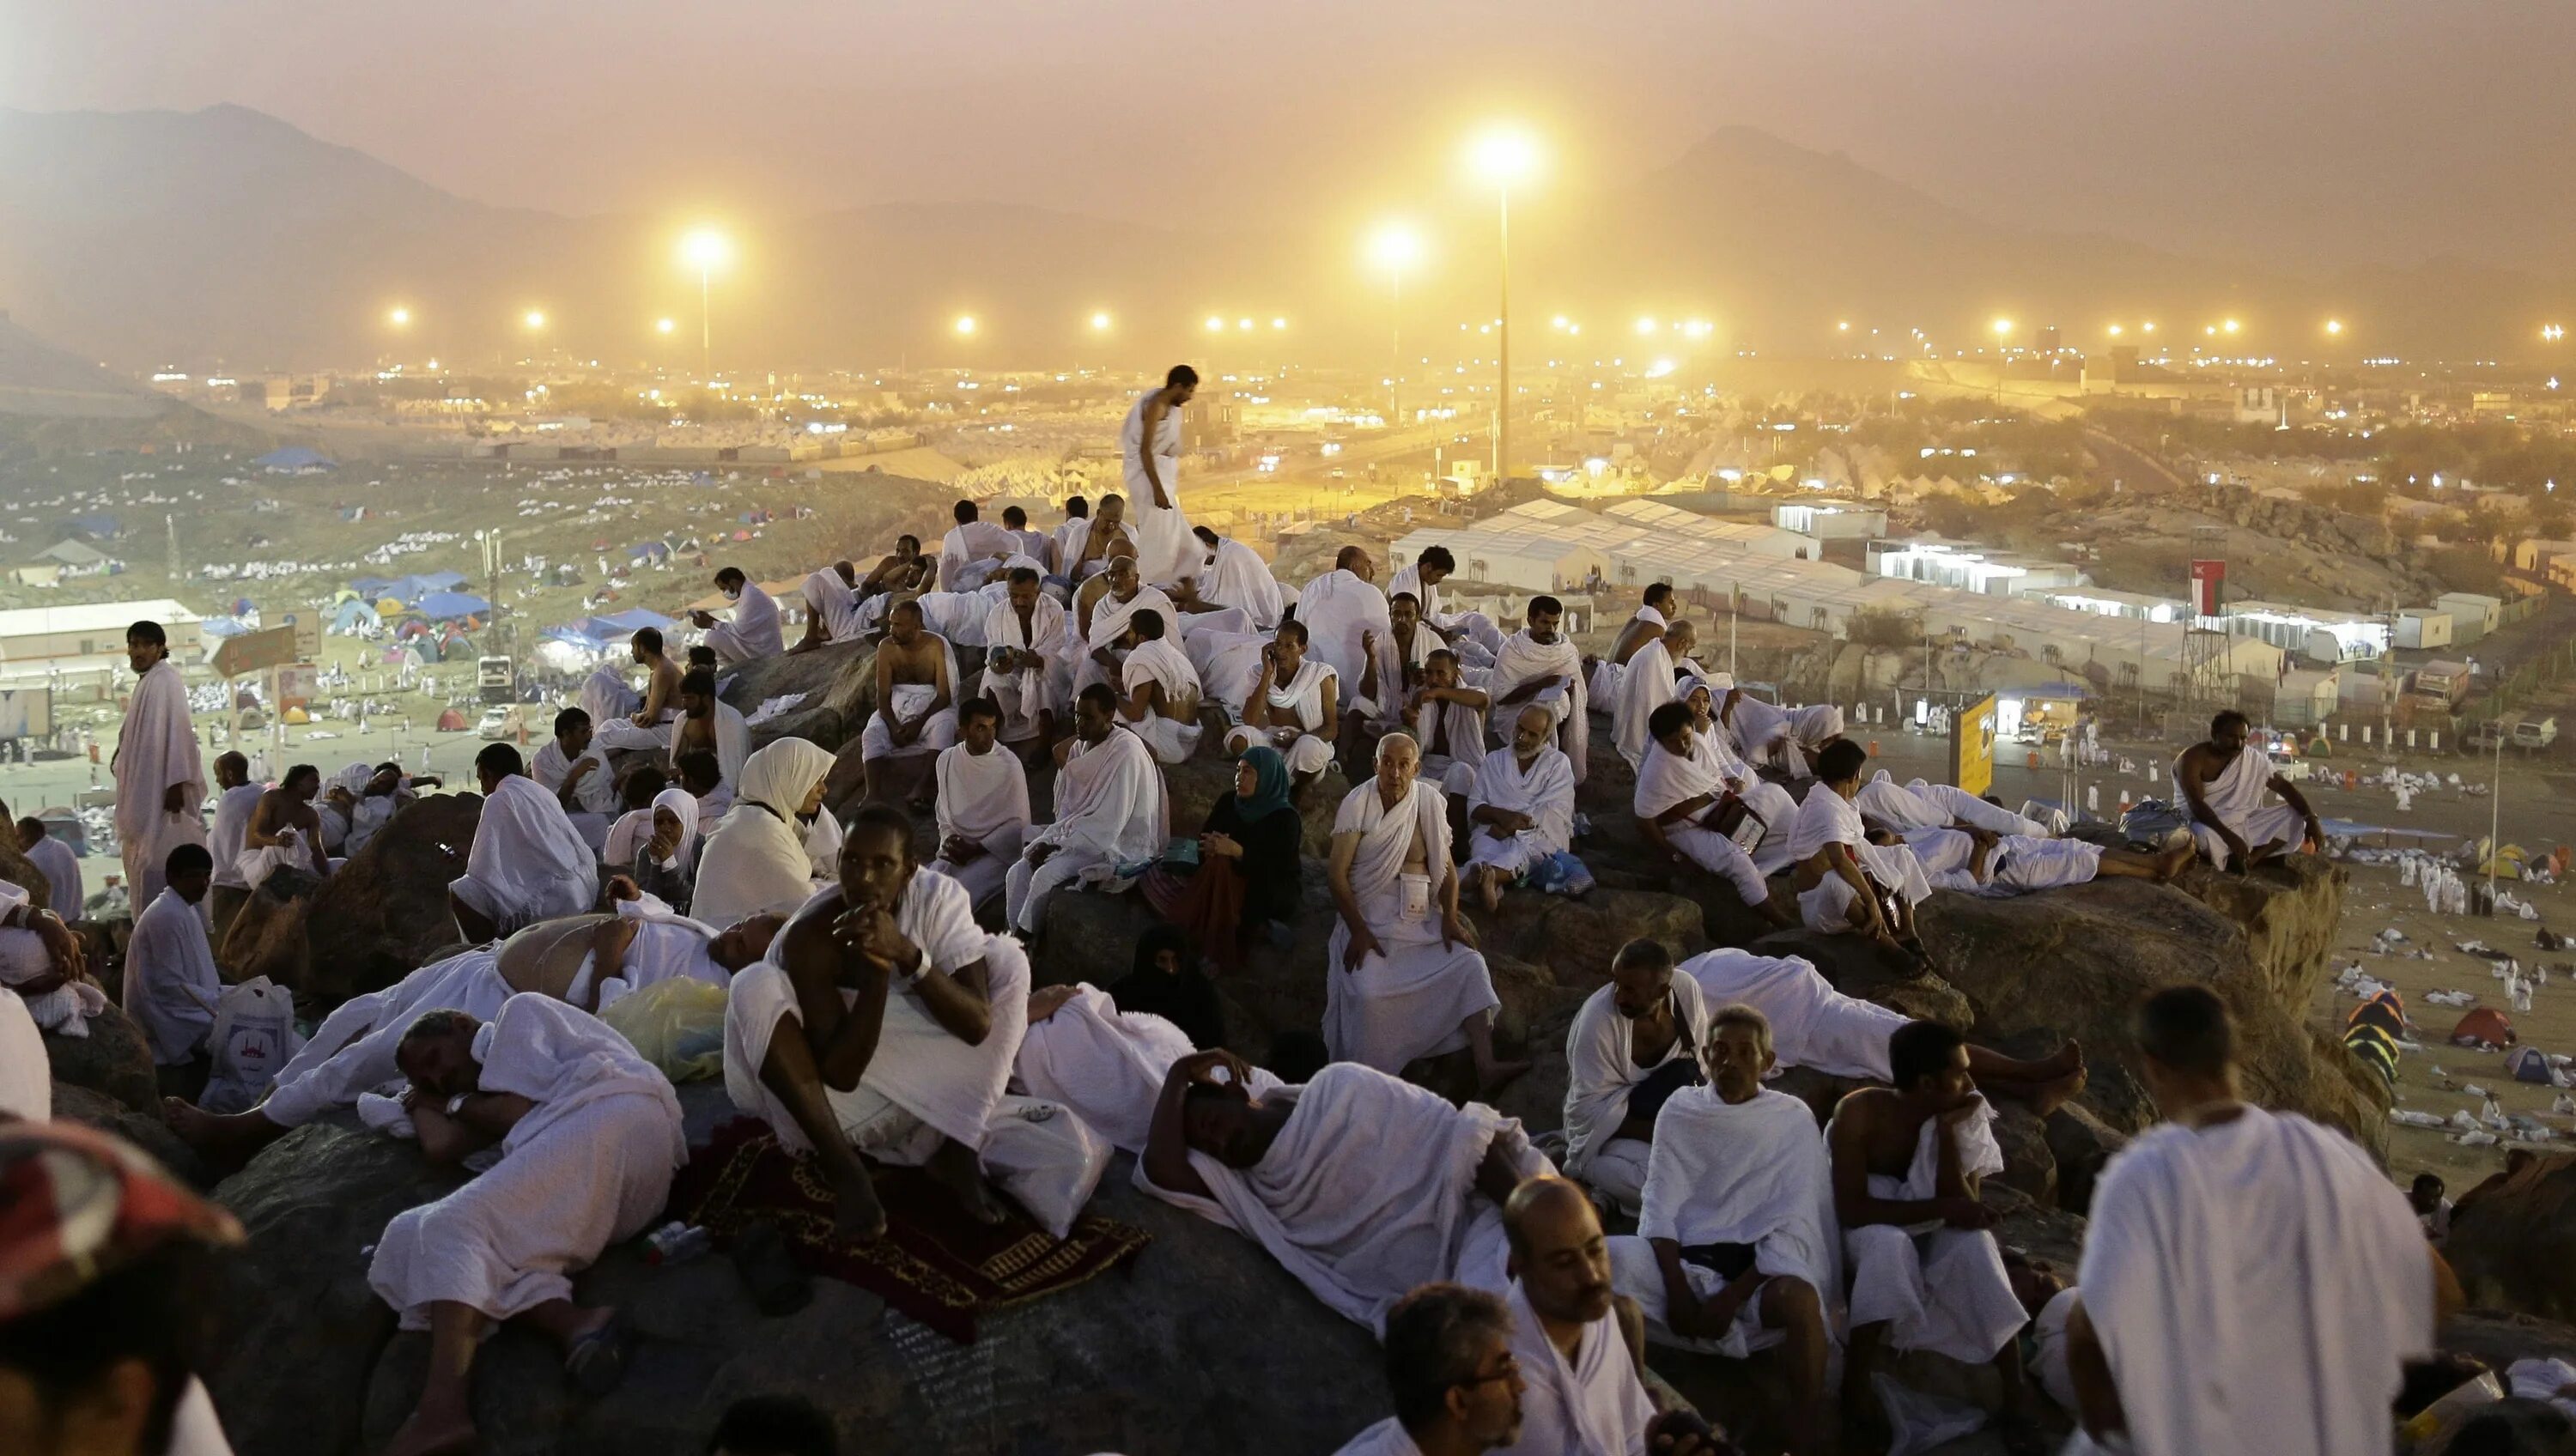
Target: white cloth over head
1369,1191
756,859
528,863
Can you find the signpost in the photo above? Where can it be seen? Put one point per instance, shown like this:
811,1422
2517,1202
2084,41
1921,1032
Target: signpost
1972,746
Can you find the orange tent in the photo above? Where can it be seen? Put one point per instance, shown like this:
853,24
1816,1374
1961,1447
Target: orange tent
2485,1027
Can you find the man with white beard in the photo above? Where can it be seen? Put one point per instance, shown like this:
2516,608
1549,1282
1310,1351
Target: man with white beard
1149,449
1520,815
160,780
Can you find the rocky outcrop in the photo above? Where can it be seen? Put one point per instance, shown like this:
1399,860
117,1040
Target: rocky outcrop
144,1129
113,1061
1156,1357
18,870
838,679
376,919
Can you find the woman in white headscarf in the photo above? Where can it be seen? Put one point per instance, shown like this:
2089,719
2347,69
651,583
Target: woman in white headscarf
757,858
656,847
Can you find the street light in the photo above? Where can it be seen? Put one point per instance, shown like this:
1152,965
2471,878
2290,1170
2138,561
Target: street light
1100,322
1502,157
535,319
2231,326
2334,326
706,250
965,326
667,327
2553,332
1395,248
399,317
1215,325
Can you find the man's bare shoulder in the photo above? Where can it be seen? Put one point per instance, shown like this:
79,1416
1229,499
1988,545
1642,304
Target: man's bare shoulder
1867,1109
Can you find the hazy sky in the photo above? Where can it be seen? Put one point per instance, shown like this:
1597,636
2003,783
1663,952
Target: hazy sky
2337,130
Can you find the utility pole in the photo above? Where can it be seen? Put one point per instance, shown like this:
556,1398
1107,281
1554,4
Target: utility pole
170,523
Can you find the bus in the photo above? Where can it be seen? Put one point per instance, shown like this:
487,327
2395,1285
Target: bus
495,680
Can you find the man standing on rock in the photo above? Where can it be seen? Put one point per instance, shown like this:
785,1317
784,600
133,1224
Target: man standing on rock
2223,782
2306,1279
160,779
232,817
1149,449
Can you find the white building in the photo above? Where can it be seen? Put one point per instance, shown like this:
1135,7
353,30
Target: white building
36,642
1991,572
2316,634
2104,602
1831,520
2472,615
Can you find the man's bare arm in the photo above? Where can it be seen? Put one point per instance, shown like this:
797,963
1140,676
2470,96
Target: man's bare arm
1167,1144
961,1002
1848,1142
1154,414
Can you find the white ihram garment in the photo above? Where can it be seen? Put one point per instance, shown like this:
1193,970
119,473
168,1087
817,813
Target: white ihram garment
1109,619
2255,1284
1474,636
254,866
1337,608
1451,736
835,603
1925,805
1369,1191
1390,662
1936,1288
588,1165
63,875
1591,1405
65,1010
1772,736
2237,799
1387,1438
909,700
156,747
922,1084
597,791
1754,1172
1812,1024
1524,659
1025,694
26,1080
972,554
1159,662
1543,789
1234,575
1601,1070
754,632
528,863
612,706
352,1051
171,984
232,825
733,741
1825,817
1411,998
1109,811
1667,779
1296,719
1645,684
1165,549
983,799
1108,1065
756,859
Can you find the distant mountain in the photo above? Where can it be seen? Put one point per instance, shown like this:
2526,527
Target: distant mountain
40,380
226,237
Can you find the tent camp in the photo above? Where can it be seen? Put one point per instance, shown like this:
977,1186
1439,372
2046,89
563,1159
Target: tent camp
295,460
449,606
406,588
2484,1027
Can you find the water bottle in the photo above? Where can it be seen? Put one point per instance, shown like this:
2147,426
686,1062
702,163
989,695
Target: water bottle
676,1243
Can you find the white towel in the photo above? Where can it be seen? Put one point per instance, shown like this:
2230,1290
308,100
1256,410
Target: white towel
756,859
1524,659
528,863
171,984
352,1051
733,741
1812,1024
1108,1065
1935,1287
753,633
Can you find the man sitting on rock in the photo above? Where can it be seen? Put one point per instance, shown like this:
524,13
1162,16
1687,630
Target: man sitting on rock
642,726
2306,1286
708,724
1812,1025
2223,782
588,961
1160,688
66,893
1363,1186
1520,816
1110,811
44,971
284,830
588,1136
1447,718
1647,624
882,1022
1734,1248
1022,633
171,984
1541,665
1926,1271
1456,1380
1685,808
1471,635
1635,1042
753,633
1403,977
1957,854
831,607
1848,882
1645,684
983,792
527,862
1769,736
1775,806
1295,706
1105,609
1570,1337
574,768
915,697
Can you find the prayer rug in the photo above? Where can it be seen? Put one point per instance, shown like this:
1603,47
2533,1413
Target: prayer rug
934,1263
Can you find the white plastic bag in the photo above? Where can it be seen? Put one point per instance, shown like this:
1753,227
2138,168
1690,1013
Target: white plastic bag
1046,1158
253,1036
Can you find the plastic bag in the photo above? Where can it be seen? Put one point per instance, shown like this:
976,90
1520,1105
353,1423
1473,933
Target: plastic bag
1046,1158
1918,1423
677,1025
254,1035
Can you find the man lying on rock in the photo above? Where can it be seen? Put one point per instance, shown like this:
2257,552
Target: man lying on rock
587,1135
1962,849
2223,782
883,1021
586,960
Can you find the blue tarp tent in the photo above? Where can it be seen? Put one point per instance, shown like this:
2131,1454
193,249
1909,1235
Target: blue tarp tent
295,459
406,588
447,606
352,615
595,634
97,528
634,619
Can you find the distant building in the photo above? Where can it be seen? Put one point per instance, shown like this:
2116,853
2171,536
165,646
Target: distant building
38,641
1831,520
2317,634
1208,422
1993,573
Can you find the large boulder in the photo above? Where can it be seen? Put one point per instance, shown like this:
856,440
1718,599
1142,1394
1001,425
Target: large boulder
143,1129
1177,1351
376,919
1194,786
19,870
839,683
113,1061
2513,1238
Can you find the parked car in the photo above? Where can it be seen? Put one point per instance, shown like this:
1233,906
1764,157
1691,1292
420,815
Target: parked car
499,721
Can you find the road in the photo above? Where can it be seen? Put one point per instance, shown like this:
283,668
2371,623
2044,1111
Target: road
2134,468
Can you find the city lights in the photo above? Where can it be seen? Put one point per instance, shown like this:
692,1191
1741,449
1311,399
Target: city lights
2334,326
2230,326
2115,331
2003,328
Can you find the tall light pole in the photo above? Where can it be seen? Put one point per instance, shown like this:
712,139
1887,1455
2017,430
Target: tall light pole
1503,157
706,250
1395,247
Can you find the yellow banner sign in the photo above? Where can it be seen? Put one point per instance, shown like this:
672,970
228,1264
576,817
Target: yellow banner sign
1972,746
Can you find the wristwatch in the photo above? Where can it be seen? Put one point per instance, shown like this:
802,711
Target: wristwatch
456,1104
920,966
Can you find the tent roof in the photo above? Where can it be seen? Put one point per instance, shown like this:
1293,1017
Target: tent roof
445,605
295,457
